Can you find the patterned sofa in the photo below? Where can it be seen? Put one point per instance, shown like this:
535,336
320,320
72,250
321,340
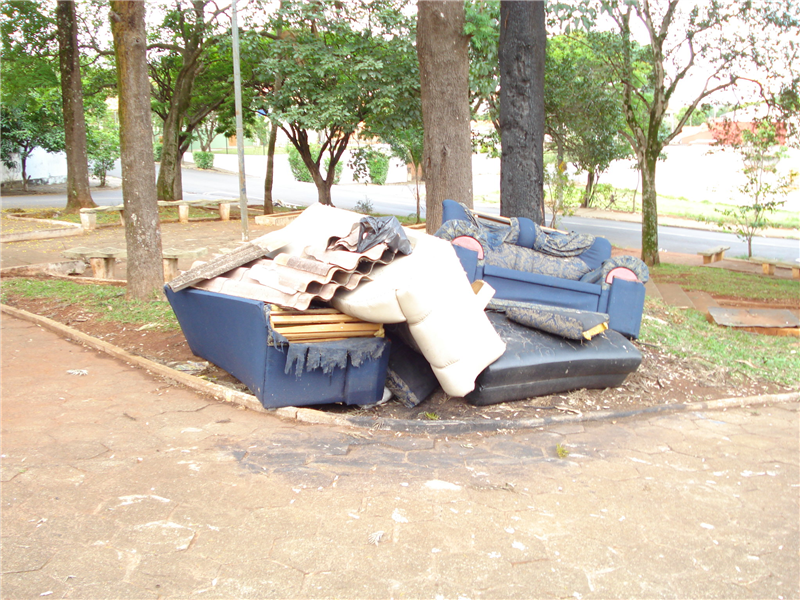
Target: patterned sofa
526,263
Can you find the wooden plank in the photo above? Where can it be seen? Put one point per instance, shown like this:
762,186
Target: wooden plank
277,310
329,328
278,319
325,335
507,221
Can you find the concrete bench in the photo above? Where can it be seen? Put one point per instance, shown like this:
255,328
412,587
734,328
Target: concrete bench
89,215
102,260
171,257
223,206
713,254
768,266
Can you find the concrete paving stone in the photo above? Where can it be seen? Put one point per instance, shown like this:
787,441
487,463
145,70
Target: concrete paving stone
33,585
23,556
170,578
511,449
305,476
567,429
246,578
398,441
160,537
715,421
613,471
765,441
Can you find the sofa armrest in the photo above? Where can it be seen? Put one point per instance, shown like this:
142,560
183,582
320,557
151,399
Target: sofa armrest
625,307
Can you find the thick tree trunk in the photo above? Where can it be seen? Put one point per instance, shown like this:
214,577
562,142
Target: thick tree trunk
649,210
269,208
142,230
443,52
522,118
78,192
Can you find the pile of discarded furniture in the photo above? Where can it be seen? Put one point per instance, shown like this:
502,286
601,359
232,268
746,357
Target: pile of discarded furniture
341,308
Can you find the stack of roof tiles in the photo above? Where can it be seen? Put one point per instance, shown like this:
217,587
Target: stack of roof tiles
287,281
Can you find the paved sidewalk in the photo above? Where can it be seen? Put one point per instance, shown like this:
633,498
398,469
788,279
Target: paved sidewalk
117,484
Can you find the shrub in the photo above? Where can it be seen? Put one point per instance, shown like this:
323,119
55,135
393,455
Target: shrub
102,151
370,162
203,160
300,171
157,151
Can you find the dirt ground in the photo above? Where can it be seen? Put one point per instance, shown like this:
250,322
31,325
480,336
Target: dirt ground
661,378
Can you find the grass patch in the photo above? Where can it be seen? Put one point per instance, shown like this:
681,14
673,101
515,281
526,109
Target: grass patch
107,303
687,334
721,282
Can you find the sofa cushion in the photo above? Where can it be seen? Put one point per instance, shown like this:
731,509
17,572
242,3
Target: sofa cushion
598,252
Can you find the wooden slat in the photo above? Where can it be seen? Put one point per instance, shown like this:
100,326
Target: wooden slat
299,337
277,310
329,328
300,319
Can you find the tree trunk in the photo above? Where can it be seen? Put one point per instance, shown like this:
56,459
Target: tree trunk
587,192
170,166
522,117
78,193
269,208
178,106
649,210
177,187
443,53
142,230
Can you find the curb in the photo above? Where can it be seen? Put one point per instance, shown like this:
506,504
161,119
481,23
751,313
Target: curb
62,229
318,417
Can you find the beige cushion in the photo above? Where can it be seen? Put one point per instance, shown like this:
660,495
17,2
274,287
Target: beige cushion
427,288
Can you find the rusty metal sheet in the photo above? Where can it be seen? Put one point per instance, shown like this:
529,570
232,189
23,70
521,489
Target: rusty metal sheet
753,317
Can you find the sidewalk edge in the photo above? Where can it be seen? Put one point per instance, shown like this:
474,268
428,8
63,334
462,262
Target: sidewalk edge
318,417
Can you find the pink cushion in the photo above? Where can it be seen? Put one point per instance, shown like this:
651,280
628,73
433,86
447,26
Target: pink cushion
470,243
621,273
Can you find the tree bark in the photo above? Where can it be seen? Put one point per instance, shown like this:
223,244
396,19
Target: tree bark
169,184
78,192
269,208
522,116
443,53
649,208
587,192
142,229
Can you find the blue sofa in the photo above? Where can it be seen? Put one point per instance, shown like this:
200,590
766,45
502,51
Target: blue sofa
591,279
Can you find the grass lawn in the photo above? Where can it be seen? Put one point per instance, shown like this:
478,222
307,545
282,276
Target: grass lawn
720,282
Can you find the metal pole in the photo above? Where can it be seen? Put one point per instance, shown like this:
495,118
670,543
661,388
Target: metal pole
237,88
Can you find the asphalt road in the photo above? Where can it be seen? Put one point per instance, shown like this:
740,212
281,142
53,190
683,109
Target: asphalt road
399,199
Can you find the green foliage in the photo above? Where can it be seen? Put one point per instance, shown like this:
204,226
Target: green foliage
300,170
763,185
367,162
157,148
203,160
102,145
562,451
562,197
333,69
